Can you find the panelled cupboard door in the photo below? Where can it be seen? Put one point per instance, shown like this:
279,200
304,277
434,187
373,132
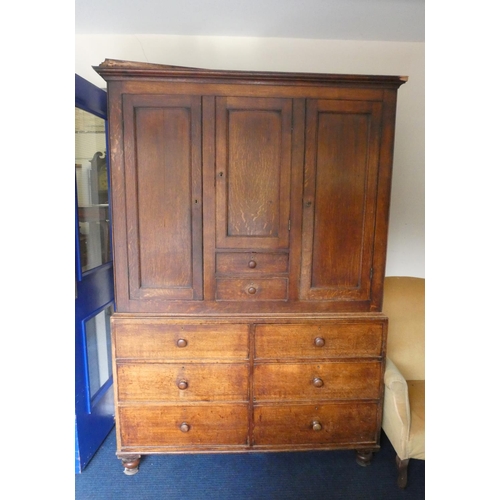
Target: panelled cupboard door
162,160
340,198
253,169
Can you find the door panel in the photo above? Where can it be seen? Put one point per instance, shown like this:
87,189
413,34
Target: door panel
341,158
253,166
162,142
98,347
94,407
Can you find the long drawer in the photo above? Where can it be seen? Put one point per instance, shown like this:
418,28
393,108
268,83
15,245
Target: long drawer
317,381
182,382
324,424
187,425
319,340
156,339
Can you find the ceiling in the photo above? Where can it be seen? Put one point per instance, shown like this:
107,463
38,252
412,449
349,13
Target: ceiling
371,20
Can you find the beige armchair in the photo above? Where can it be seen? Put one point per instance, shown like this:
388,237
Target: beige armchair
404,404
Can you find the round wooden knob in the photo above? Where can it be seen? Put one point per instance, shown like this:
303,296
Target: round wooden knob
317,382
184,427
182,343
182,385
319,341
252,264
316,426
252,290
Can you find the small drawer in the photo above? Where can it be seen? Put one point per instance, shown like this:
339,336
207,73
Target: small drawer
320,340
285,381
160,339
252,289
178,426
251,263
182,382
328,424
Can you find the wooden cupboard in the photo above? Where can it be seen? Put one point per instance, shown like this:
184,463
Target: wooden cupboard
250,216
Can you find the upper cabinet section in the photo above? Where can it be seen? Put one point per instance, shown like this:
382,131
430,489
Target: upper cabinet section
245,192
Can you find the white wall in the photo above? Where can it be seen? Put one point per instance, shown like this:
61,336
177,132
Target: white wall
406,230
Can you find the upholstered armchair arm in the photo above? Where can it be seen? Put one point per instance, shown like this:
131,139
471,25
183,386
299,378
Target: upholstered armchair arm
397,418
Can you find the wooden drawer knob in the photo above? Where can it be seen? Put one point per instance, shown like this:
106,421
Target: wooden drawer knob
182,343
317,382
182,385
252,264
316,426
184,427
252,290
319,341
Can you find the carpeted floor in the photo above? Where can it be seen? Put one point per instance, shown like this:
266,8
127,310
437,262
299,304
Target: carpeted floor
321,475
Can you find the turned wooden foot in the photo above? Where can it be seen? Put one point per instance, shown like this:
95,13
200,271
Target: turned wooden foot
402,471
130,464
364,457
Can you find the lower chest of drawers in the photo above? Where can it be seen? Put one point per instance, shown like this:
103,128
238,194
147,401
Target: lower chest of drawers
242,385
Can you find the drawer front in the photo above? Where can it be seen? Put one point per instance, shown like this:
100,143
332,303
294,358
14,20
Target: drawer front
156,339
335,424
318,381
251,263
252,289
319,340
155,426
182,382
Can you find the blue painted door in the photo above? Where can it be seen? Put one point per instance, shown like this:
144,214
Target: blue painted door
94,294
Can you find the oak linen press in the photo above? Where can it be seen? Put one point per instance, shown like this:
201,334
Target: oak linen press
250,215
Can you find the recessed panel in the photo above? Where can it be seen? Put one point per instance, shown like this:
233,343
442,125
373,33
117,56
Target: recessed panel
341,170
254,161
164,196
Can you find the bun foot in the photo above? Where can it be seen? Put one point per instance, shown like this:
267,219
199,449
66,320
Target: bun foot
130,464
364,457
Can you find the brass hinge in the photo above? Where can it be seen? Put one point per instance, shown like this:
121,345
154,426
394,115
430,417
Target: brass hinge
289,224
371,273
